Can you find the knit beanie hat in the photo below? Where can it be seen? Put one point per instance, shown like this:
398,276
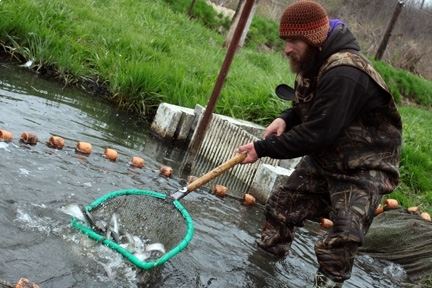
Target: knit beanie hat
305,20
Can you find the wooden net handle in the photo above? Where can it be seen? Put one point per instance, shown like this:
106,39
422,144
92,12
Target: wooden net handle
216,172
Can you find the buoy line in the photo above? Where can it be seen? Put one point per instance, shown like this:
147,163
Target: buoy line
58,142
85,148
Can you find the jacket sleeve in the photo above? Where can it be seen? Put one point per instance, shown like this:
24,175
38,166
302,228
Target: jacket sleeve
340,97
291,118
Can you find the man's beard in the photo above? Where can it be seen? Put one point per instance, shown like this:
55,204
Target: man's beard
305,63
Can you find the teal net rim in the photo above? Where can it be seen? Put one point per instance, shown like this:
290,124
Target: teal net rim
128,255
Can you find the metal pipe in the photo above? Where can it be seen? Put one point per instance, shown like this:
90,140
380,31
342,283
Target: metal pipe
201,130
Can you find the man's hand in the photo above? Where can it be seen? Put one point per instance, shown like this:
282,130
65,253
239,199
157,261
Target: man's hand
276,127
251,153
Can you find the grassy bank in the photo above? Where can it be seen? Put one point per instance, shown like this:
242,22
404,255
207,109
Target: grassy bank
139,55
144,54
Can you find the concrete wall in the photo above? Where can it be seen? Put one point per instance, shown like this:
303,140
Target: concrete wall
224,134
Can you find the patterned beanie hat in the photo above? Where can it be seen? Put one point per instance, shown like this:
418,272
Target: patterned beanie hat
305,20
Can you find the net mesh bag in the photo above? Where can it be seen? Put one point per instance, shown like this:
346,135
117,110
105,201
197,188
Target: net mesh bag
144,214
404,238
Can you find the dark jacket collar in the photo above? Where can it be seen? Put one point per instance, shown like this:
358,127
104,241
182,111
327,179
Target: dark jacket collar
339,40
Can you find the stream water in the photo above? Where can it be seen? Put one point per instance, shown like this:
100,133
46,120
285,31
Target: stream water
39,243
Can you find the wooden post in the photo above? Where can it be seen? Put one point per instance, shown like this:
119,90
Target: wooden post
191,8
390,27
234,23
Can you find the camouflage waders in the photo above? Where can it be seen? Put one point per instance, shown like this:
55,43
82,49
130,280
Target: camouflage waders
312,193
344,182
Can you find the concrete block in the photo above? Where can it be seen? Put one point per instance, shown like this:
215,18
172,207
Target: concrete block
176,122
289,163
185,125
172,121
250,127
266,179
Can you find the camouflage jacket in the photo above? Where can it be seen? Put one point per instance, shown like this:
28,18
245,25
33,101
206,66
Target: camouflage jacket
344,117
372,140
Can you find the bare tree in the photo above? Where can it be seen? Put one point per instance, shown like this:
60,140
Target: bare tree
390,27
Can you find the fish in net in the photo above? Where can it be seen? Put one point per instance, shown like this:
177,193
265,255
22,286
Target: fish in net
139,224
149,218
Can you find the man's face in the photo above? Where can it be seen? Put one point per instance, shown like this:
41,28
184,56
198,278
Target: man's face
302,56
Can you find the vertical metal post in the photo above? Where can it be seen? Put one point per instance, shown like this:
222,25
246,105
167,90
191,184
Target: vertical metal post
202,127
387,34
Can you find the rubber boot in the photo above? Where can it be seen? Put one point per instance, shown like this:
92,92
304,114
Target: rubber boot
322,281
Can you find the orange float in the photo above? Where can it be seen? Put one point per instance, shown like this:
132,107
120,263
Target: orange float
220,190
391,203
379,210
137,162
326,223
56,142
84,147
166,171
249,199
426,216
5,136
111,154
25,283
29,138
414,209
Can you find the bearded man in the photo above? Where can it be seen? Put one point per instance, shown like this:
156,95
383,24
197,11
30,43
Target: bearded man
346,127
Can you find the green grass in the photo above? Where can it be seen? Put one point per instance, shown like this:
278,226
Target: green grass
146,52
415,188
405,85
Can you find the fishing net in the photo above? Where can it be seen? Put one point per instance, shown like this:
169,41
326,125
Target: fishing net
147,215
404,238
144,214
